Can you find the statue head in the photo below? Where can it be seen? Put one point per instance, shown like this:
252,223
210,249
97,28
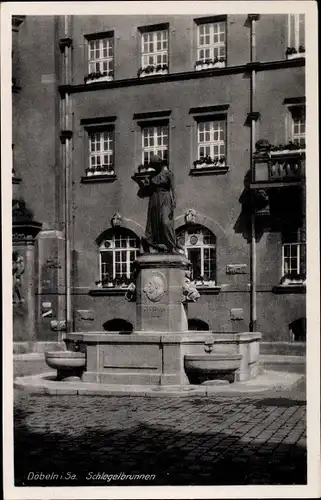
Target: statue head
116,220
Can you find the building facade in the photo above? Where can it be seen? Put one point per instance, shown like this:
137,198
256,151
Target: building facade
222,100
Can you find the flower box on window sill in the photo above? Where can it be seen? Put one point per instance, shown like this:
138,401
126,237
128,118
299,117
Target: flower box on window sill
293,53
208,64
207,287
101,175
287,149
291,283
161,69
98,77
209,166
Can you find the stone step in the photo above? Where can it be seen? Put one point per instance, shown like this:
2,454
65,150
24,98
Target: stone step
291,364
283,348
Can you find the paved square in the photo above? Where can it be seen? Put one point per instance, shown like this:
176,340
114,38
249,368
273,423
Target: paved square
221,440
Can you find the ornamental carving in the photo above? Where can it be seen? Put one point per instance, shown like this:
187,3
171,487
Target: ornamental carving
53,263
155,287
190,216
18,268
190,292
116,220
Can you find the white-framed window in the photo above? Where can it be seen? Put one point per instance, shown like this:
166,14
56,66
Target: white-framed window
292,254
154,141
211,41
154,48
101,149
200,248
296,31
297,125
101,57
211,139
118,253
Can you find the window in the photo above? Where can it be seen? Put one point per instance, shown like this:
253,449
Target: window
200,248
292,255
296,32
211,137
297,130
154,52
211,44
101,152
154,141
100,59
118,252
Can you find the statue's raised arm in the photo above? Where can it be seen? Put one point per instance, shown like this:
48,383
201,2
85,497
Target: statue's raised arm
160,232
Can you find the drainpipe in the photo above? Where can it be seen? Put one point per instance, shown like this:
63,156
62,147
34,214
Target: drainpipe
67,126
253,298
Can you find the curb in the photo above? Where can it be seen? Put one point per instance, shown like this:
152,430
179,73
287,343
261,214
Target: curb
41,384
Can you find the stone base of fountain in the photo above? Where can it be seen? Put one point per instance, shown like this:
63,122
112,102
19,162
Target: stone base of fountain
154,354
158,359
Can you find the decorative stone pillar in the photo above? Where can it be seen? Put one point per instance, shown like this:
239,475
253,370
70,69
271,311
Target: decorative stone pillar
24,235
159,286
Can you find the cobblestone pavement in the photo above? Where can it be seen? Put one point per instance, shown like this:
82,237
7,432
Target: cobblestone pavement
222,440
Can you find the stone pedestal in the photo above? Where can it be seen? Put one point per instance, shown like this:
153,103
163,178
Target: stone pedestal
159,306
50,277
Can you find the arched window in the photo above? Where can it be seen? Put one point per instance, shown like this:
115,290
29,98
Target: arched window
200,248
118,251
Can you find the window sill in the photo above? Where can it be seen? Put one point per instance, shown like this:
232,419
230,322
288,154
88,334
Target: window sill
298,288
212,170
208,290
107,291
98,178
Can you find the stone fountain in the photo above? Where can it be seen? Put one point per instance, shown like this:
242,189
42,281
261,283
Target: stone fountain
161,350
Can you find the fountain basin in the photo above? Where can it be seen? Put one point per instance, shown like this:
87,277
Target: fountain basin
202,367
69,364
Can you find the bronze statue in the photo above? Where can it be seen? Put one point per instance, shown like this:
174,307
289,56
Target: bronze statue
159,187
18,268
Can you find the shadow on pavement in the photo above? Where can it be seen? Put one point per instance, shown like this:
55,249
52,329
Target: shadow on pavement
175,457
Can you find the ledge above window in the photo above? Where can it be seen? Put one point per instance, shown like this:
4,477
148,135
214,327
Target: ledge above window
153,27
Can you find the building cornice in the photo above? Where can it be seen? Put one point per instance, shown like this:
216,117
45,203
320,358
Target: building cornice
186,75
